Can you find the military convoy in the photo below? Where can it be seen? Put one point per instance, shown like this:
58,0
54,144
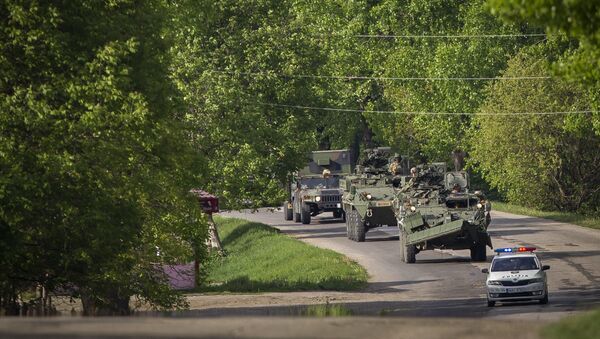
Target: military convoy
315,188
432,207
435,209
369,193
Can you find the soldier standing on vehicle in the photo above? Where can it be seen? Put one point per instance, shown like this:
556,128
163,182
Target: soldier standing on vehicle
395,165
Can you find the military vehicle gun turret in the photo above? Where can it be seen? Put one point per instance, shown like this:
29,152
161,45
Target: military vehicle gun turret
315,188
369,193
435,209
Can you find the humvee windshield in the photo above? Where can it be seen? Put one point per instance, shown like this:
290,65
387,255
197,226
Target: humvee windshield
461,203
332,182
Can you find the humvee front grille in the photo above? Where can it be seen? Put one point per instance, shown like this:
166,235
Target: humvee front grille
331,198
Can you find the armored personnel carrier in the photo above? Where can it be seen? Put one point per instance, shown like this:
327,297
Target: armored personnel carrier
435,209
315,188
369,193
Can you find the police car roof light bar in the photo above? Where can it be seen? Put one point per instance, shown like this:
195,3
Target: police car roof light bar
514,249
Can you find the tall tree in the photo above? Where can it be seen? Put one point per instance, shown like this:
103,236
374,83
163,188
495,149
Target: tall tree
544,161
578,20
94,160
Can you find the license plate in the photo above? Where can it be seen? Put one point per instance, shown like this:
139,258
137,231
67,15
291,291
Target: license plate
339,205
513,290
383,203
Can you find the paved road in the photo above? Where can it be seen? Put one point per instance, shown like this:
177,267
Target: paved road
446,283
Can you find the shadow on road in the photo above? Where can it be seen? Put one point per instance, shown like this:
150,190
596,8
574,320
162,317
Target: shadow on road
390,286
511,232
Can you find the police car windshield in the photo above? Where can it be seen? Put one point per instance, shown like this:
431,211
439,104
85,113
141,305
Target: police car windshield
319,182
514,264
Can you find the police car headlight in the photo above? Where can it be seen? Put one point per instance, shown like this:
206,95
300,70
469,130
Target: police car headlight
317,199
369,196
479,205
413,208
494,282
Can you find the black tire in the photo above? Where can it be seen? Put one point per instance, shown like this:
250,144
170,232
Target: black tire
288,214
478,252
360,229
337,214
348,228
305,214
544,300
352,225
491,303
408,253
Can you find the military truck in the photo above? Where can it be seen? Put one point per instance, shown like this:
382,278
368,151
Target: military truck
435,209
315,188
369,193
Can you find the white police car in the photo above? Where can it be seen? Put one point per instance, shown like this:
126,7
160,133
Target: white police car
516,274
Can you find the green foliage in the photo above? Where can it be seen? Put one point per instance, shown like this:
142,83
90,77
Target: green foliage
94,160
436,136
260,259
582,326
250,148
578,19
540,161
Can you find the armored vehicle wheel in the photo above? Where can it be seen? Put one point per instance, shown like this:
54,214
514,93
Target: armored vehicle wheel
288,214
305,214
408,253
478,252
491,303
348,228
359,227
337,214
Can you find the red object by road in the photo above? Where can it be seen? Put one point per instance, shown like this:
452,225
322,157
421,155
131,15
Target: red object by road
208,202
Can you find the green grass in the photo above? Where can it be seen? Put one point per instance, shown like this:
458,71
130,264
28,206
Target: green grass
260,259
572,218
327,310
582,326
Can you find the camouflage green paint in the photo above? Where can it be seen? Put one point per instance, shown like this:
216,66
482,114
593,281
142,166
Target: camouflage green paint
311,192
436,210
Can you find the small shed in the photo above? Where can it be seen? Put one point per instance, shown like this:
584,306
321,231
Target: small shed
208,202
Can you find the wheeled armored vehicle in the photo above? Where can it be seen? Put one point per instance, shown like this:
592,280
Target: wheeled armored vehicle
369,193
315,188
435,209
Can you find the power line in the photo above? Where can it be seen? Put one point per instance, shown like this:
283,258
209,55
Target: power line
361,77
349,110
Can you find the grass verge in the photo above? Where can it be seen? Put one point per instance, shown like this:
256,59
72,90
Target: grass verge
572,218
581,326
260,259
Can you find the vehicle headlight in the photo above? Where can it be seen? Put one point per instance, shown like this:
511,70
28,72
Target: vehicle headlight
494,282
369,196
479,205
413,208
317,198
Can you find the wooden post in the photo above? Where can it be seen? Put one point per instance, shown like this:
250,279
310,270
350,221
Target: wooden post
214,241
